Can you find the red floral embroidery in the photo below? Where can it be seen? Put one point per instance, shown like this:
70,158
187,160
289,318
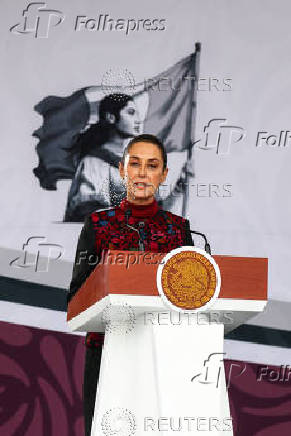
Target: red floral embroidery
163,231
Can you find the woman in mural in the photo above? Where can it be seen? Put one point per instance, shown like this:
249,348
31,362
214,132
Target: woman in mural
97,184
143,168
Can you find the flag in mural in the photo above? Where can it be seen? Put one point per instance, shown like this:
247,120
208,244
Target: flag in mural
83,136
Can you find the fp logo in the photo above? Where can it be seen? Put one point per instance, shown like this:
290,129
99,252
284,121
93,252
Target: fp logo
220,136
37,254
38,20
213,369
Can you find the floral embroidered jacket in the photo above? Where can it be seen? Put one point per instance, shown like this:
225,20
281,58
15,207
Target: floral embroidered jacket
161,231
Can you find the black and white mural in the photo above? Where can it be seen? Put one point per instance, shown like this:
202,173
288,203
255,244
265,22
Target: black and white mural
83,136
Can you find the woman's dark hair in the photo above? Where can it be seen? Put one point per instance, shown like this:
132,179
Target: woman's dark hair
100,132
113,103
146,137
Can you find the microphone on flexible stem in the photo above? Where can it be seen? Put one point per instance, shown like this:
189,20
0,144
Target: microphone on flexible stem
141,224
127,214
207,245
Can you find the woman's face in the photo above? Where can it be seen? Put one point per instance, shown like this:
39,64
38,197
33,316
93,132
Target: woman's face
143,172
129,120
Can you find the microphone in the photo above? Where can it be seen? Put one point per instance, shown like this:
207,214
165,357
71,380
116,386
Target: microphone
207,245
141,225
127,213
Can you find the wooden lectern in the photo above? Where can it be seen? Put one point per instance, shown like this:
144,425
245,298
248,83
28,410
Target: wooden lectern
162,371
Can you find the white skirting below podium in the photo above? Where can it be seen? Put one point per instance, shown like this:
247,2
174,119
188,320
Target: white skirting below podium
162,380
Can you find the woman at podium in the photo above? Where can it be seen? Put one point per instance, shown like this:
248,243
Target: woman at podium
138,223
